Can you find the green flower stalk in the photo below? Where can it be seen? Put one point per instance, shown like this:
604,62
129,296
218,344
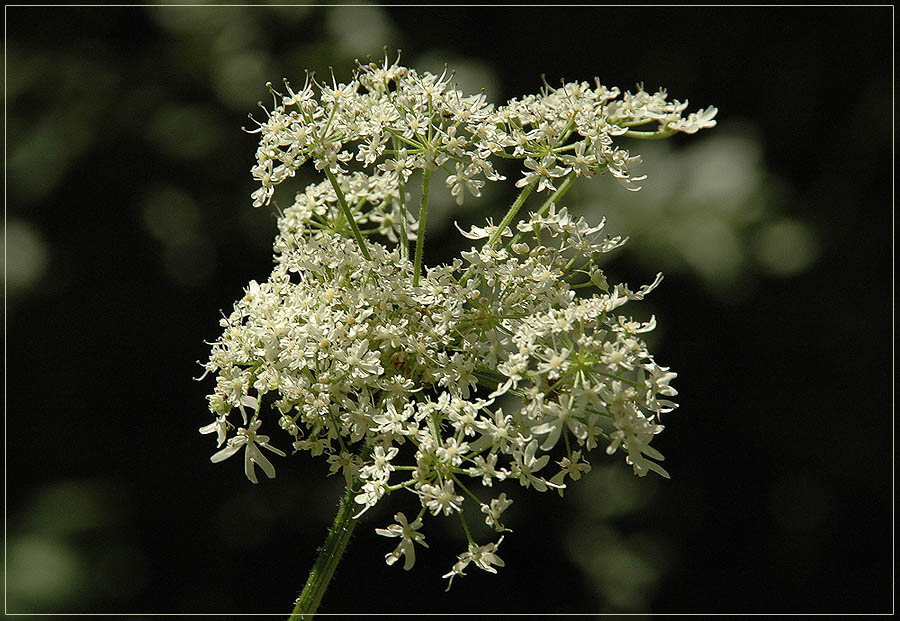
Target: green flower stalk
444,383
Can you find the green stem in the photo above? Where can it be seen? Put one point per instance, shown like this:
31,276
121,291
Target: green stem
342,201
513,210
558,194
329,556
401,186
420,235
657,135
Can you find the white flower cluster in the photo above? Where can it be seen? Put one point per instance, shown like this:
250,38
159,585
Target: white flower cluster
397,379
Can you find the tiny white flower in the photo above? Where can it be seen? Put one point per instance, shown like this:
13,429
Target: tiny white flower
558,417
542,172
484,558
248,439
478,232
556,364
701,119
492,512
452,452
581,164
360,361
372,492
487,470
218,427
250,402
527,464
437,499
464,178
380,468
407,531
573,467
346,463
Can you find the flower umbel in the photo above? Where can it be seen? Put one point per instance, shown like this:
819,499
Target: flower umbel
442,382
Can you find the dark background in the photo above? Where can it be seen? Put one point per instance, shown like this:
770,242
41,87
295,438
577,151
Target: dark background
129,227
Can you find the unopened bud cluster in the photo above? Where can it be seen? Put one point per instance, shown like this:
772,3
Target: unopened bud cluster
510,364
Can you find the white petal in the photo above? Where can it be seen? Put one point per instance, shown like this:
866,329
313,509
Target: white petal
210,428
248,468
256,456
273,449
225,453
474,233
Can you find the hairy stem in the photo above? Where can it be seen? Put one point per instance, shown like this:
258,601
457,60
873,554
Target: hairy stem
655,135
420,235
347,213
329,556
513,210
401,184
560,192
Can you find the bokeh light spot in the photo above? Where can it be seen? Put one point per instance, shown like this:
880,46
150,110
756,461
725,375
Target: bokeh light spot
786,247
27,255
192,263
41,572
359,30
170,215
184,132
